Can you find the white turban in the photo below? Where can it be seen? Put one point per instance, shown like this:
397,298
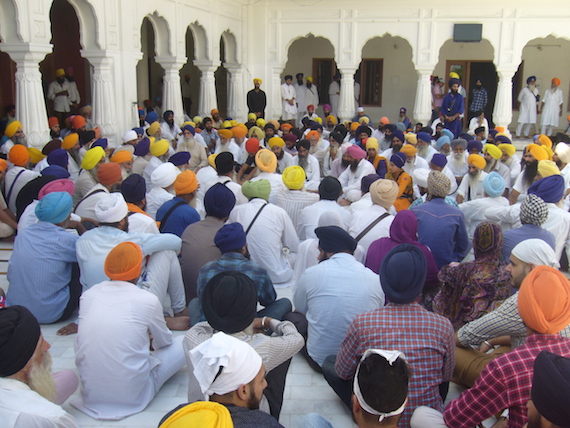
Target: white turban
563,152
331,218
111,208
344,147
239,360
164,175
535,251
129,136
420,177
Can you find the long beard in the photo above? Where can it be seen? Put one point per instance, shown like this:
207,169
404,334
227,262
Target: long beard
74,153
529,172
313,149
473,179
23,140
303,162
422,151
354,166
40,379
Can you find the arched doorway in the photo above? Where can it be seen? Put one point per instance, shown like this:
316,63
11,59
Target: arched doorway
221,75
7,84
190,78
149,72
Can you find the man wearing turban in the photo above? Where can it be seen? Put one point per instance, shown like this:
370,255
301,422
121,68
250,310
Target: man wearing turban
452,108
351,177
226,144
471,186
59,91
532,154
170,130
256,99
15,135
109,179
160,151
492,155
18,175
289,97
176,214
198,156
551,108
163,179
120,323
511,160
528,99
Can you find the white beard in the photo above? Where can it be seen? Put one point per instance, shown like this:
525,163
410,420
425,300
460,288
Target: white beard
40,379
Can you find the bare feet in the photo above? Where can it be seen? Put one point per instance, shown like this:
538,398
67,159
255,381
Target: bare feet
178,322
70,328
183,313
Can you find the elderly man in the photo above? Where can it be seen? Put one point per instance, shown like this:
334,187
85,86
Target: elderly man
18,175
15,135
27,388
471,186
425,149
109,179
352,176
176,214
284,159
413,161
163,178
309,163
226,144
269,230
124,158
321,291
198,157
528,98
551,107
493,155
532,155
439,163
120,324
457,160
424,337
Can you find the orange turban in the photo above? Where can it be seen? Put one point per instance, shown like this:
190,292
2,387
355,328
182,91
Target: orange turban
500,129
3,165
70,141
185,183
556,81
78,121
537,152
226,133
289,126
265,160
239,131
545,141
354,126
19,155
409,150
544,300
52,121
313,134
122,156
214,111
384,120
109,173
478,161
124,262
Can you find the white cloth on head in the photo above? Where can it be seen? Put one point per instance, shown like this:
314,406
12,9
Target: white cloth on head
111,208
129,136
239,360
535,251
164,175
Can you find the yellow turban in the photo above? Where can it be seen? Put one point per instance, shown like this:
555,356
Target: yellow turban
454,75
354,126
153,129
332,119
185,183
409,150
544,300
477,160
411,139
276,141
11,128
124,262
509,149
59,72
545,141
257,81
159,148
197,119
260,122
35,155
537,152
266,160
188,122
319,120
92,158
212,160
256,132
371,143
493,150
225,133
251,116
226,124
546,168
294,177
205,414
70,141
234,122
122,156
256,189
309,79
364,120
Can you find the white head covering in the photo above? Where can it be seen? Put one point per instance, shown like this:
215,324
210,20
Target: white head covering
563,152
129,136
420,176
164,175
111,208
535,251
239,360
344,147
331,218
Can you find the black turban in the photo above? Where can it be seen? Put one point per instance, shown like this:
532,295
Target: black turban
551,387
330,188
403,273
30,192
303,143
19,335
363,129
134,188
229,302
334,239
337,136
340,128
86,136
224,163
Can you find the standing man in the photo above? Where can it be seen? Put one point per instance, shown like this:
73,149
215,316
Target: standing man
256,99
288,95
334,94
59,92
551,108
528,99
452,108
186,95
311,93
479,99
300,99
74,96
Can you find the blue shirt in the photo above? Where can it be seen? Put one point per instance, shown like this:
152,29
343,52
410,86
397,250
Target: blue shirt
442,228
179,219
39,270
513,237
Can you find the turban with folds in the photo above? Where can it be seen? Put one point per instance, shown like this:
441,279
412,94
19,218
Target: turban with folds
252,145
266,160
544,141
411,139
109,173
124,262
78,121
384,193
551,387
11,128
19,336
230,237
371,143
36,156
225,133
367,181
509,149
477,160
111,208
398,159
334,239
239,131
256,189
164,175
439,159
458,142
206,414
54,208
442,141
438,184
535,251
92,157
51,146
71,140
224,162
493,151
153,129
129,136
546,168
219,201
257,81
122,156
356,152
549,189
56,171
424,136
179,158
19,155
556,81
494,184
133,188
562,150
537,152
294,177
60,185
277,141
409,149
159,147
403,273
474,144
185,183
58,157
142,148
101,142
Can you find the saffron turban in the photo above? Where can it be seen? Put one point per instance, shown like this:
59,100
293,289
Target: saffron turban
442,141
424,136
556,81
92,158
535,251
159,148
78,121
219,201
3,165
334,239
384,193
384,120
55,171
537,152
403,273
372,143
562,150
476,160
214,111
143,147
458,142
111,208
266,160
122,156
494,184
544,300
546,168
354,126
130,136
439,159
51,146
19,336
240,362
54,207
164,175
493,151
60,185
124,262
356,152
19,155
252,145
276,141
411,139
225,133
287,126
153,129
185,183
508,149
256,189
549,189
230,237
12,128
545,141
212,160
207,414
474,144
438,184
133,188
294,177
330,118
239,131
70,141
179,158
398,159
533,210
109,173
312,134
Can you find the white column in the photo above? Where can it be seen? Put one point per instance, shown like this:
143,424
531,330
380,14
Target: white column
171,91
422,106
30,103
103,94
346,97
207,100
275,108
503,111
236,94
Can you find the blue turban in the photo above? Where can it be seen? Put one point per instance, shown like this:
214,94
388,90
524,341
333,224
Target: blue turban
439,159
424,136
403,273
133,188
447,132
398,134
101,142
315,125
142,147
530,78
151,117
179,158
367,181
493,132
219,201
139,131
474,144
190,129
230,237
441,141
54,207
398,159
494,184
502,139
56,171
58,157
334,239
167,113
454,81
549,189
401,126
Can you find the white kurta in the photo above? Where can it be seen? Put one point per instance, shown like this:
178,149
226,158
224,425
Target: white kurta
312,171
334,97
312,96
301,99
311,214
474,211
351,180
288,93
551,110
286,161
471,193
362,219
16,178
61,103
293,202
527,109
154,200
276,183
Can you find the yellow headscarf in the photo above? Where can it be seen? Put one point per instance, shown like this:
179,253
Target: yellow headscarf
203,414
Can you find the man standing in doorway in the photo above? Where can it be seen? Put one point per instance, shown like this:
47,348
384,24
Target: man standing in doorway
256,99
289,95
186,95
551,108
59,91
528,99
479,99
334,94
453,108
300,99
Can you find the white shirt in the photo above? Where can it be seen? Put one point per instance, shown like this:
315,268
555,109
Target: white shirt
475,211
312,171
474,124
551,109
311,214
276,184
469,193
418,163
154,200
168,133
527,109
300,97
431,151
206,176
458,169
293,202
361,220
231,147
312,96
453,182
286,161
515,168
232,185
351,180
288,93
272,230
24,176
28,217
61,103
141,223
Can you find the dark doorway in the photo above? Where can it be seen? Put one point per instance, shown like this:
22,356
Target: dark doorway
323,71
487,73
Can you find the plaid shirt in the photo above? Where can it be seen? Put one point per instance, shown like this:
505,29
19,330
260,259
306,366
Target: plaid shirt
427,340
478,99
504,383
